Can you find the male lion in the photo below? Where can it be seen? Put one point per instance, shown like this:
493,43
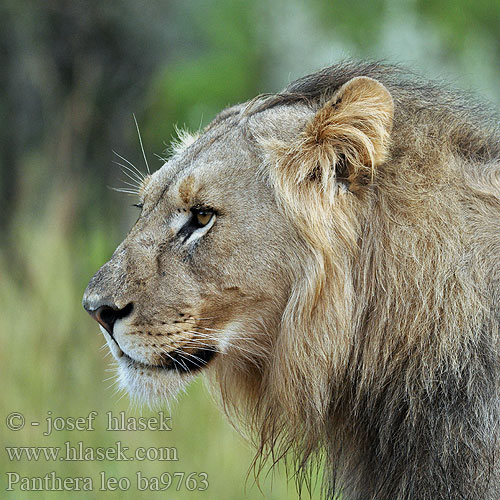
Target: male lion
331,256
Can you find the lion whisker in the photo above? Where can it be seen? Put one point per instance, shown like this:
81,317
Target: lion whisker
161,158
135,169
123,190
129,184
218,330
210,336
124,393
112,376
131,174
201,362
231,345
142,146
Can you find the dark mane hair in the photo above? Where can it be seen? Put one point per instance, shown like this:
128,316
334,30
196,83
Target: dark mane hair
472,125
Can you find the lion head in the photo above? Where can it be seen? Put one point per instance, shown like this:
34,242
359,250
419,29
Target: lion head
329,256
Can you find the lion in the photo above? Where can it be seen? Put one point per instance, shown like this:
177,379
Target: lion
330,257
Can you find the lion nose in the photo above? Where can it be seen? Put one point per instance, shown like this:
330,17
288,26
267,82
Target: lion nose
106,315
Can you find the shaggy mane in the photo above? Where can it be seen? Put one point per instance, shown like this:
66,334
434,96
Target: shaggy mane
466,121
386,365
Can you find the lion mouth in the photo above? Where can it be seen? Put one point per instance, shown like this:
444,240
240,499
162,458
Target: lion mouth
178,360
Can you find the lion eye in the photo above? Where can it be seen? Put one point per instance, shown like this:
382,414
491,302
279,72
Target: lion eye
201,220
203,217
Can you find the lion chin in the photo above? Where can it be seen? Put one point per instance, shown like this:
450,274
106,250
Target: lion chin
152,385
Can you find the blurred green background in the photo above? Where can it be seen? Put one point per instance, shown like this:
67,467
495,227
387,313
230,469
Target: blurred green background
72,73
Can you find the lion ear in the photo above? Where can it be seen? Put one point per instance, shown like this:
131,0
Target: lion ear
349,135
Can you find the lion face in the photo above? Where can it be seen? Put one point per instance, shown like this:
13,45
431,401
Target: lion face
220,262
204,270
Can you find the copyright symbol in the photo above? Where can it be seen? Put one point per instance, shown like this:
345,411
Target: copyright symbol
15,421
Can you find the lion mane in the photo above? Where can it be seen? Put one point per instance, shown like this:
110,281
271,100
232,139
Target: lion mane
386,367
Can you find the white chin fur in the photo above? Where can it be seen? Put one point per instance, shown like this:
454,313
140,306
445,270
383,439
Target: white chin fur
152,386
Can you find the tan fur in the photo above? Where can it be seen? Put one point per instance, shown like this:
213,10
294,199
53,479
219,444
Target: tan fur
350,283
186,189
353,125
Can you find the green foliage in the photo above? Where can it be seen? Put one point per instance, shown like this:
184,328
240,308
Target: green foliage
461,19
192,89
358,21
